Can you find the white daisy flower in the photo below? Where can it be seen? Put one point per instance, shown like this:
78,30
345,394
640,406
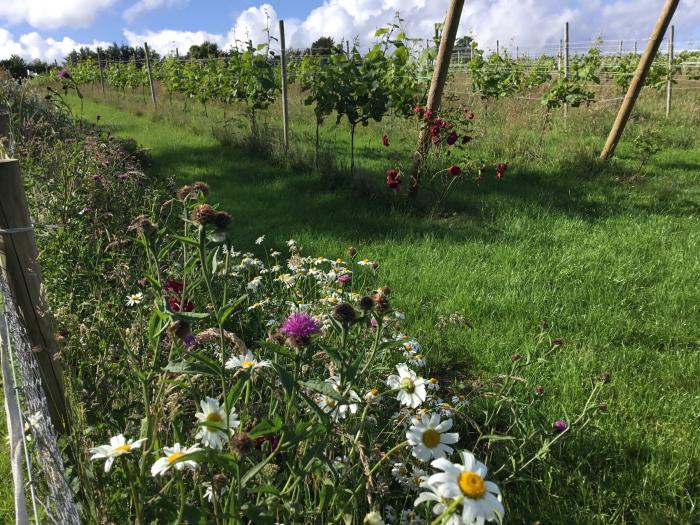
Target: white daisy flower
372,396
260,240
417,360
209,491
400,472
255,284
245,362
134,299
410,386
481,499
373,518
417,477
275,254
219,427
172,454
118,446
409,517
332,406
364,262
433,384
430,439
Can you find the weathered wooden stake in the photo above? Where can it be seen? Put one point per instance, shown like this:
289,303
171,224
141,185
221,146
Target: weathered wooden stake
99,66
5,136
639,77
285,102
669,80
150,77
498,48
566,60
18,262
437,86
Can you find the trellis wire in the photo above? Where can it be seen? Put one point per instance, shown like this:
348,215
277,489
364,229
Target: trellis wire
45,472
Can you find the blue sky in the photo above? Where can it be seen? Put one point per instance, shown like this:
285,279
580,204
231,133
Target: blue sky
48,29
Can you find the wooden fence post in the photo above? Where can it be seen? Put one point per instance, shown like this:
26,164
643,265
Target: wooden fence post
150,77
640,75
285,102
5,136
437,85
566,60
18,262
669,80
99,66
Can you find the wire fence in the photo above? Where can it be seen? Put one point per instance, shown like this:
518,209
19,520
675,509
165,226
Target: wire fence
37,467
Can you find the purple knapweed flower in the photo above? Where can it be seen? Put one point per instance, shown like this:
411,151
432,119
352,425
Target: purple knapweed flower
345,278
299,325
63,73
560,425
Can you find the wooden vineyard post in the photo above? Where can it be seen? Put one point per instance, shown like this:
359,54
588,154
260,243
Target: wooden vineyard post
150,77
640,75
99,66
498,49
566,59
18,262
285,102
5,136
437,85
669,80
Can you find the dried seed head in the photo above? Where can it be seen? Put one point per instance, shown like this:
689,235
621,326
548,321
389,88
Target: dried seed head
352,252
219,481
201,187
184,192
539,390
345,313
204,214
605,377
144,225
242,444
382,302
366,303
515,357
221,220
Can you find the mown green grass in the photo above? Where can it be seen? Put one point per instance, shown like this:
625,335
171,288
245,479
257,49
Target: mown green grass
608,257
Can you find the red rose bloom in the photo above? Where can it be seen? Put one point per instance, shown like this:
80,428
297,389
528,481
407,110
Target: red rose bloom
501,169
466,138
454,170
173,290
385,140
451,138
435,130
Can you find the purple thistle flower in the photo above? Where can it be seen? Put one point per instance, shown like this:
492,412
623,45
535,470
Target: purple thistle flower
63,73
345,278
560,425
300,326
189,340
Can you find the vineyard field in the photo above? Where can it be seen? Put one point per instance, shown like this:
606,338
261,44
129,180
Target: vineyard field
603,253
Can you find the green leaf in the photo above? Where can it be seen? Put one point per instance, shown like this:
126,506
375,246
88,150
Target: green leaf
187,367
188,316
266,427
323,388
285,378
187,240
226,312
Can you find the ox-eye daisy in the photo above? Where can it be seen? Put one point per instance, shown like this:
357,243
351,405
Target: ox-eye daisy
134,299
245,362
118,446
217,427
172,454
411,387
481,499
430,439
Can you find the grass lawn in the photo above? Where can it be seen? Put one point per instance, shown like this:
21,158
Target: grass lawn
608,256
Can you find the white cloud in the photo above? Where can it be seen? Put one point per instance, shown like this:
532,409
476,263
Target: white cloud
143,6
32,45
48,14
251,25
168,40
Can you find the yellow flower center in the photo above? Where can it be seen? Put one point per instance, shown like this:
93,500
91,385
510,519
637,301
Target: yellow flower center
174,457
431,438
122,449
247,364
331,403
213,417
407,385
471,485
374,391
